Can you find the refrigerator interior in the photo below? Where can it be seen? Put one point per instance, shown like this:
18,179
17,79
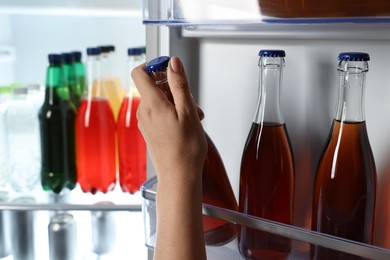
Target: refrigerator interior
221,63
28,33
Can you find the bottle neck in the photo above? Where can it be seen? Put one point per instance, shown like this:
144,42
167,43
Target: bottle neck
160,77
270,81
54,77
69,74
133,61
94,78
350,104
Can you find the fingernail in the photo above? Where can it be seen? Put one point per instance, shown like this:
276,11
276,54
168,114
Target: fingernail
176,64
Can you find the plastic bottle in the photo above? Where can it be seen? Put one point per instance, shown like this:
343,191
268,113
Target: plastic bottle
131,144
79,69
95,133
345,183
23,138
267,167
5,97
57,121
110,84
217,190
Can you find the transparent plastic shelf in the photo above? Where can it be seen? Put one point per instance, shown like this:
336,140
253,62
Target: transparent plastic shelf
71,200
302,239
264,12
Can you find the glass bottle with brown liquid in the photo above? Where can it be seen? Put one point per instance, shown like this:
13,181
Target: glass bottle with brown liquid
217,190
345,183
267,166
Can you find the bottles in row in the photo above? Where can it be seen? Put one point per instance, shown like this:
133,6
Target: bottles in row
66,133
345,183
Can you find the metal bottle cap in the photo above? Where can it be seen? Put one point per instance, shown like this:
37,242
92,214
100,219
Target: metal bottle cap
62,237
103,230
23,246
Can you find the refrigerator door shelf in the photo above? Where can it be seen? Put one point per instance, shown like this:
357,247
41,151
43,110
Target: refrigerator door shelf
186,12
72,7
301,237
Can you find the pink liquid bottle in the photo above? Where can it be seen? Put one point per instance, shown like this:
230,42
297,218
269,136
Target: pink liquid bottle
131,144
95,133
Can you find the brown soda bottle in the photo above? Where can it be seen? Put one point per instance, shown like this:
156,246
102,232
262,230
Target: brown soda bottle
345,183
267,166
217,190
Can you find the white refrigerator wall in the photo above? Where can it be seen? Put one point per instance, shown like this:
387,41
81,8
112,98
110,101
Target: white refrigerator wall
35,36
224,75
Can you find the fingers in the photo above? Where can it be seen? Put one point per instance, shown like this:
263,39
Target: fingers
146,86
179,87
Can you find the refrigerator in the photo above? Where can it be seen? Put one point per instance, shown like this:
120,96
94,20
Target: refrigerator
218,42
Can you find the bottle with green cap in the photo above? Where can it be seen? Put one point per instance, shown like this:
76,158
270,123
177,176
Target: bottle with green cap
57,119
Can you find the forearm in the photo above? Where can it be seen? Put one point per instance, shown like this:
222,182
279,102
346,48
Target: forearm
179,220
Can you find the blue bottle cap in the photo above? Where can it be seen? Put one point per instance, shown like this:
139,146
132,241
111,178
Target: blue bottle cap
76,55
55,59
134,51
67,57
93,51
157,64
354,56
272,53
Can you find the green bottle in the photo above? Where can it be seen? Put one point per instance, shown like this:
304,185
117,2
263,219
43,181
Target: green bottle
70,78
79,70
56,118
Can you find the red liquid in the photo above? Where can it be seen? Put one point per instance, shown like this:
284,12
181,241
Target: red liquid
95,146
132,147
266,190
217,191
345,188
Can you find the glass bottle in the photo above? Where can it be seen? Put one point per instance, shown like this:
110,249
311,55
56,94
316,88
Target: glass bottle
79,70
95,133
131,144
345,183
267,166
217,190
57,119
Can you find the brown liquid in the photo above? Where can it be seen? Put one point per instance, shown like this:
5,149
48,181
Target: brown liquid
345,188
324,8
266,190
217,191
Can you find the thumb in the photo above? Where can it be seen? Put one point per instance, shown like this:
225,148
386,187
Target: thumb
178,84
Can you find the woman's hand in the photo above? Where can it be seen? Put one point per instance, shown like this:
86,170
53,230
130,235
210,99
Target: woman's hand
177,146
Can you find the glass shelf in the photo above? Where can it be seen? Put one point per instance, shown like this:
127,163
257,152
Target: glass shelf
301,238
264,12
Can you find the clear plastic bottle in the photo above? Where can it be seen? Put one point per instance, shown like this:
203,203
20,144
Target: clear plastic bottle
5,98
217,190
267,166
23,138
131,144
345,183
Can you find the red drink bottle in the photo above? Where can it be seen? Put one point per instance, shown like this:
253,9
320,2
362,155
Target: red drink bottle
267,167
95,133
131,144
217,190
